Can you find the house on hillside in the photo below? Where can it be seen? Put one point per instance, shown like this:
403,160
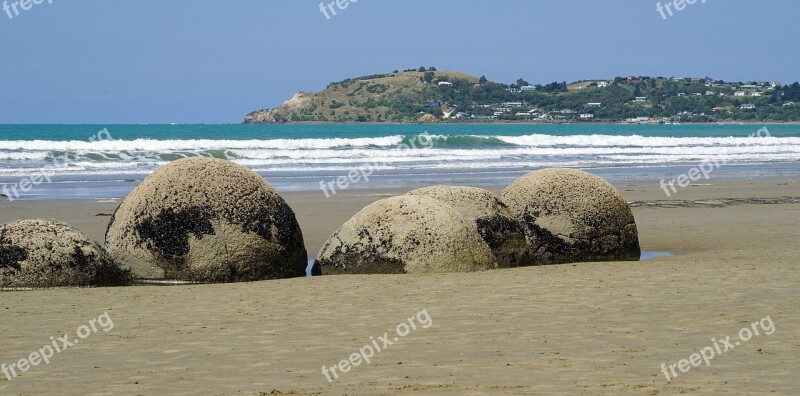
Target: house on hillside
587,117
748,107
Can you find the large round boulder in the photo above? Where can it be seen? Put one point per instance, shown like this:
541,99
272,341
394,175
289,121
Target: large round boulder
405,234
491,218
46,253
207,220
570,215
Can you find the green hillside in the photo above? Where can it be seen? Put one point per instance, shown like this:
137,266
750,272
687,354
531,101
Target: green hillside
434,96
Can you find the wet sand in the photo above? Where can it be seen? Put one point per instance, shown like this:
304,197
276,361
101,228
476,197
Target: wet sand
588,328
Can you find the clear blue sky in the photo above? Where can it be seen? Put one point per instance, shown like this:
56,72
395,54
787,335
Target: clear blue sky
160,61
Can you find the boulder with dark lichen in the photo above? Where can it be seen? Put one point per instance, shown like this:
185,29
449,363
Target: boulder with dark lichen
572,216
407,234
207,220
46,253
492,219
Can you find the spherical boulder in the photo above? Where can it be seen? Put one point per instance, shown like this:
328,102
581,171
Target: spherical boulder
492,219
207,220
46,253
405,234
572,216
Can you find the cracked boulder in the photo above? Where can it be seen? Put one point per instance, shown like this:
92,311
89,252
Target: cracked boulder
207,220
46,253
406,234
492,219
572,216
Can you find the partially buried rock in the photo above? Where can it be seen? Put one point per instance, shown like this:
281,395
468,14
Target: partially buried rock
571,216
492,219
207,220
46,253
406,234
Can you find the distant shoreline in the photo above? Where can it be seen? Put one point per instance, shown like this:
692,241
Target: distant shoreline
501,122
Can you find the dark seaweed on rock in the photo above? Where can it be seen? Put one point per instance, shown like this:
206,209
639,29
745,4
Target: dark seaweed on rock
168,232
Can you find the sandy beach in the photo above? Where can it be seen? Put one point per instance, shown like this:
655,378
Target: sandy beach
588,328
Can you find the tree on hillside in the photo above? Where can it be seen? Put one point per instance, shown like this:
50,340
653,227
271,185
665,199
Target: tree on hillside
522,83
483,80
791,92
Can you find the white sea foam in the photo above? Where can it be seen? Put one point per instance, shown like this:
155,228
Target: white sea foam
141,156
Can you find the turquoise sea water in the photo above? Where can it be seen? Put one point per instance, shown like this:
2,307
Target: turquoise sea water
80,161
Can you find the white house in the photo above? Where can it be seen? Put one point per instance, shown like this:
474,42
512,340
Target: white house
757,94
512,104
602,84
640,99
445,84
787,104
710,93
681,94
528,88
594,104
739,93
587,116
748,107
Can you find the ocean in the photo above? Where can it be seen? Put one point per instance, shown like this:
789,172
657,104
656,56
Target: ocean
107,161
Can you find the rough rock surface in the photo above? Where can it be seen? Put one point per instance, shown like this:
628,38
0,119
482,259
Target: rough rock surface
46,253
570,215
207,220
492,218
405,234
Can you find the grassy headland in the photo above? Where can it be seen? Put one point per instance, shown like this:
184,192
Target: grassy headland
428,95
